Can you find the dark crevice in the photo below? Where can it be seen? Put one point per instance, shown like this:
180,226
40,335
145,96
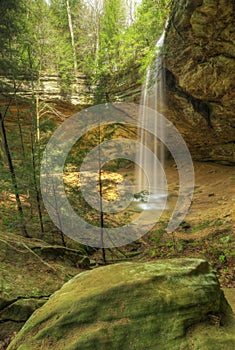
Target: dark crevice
224,54
7,304
230,142
10,320
199,106
177,9
13,301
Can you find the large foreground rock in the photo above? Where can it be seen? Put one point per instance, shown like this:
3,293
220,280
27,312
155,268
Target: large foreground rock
175,304
200,75
30,271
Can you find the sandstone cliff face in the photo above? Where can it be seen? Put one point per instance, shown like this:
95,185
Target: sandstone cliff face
50,88
200,76
122,87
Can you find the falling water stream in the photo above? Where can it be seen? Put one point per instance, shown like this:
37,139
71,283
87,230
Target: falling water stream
151,192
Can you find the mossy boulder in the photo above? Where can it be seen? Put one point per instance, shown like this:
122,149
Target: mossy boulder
173,304
30,271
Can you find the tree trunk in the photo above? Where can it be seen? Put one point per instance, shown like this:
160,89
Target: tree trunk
37,118
19,122
97,30
101,202
72,35
58,215
38,197
13,177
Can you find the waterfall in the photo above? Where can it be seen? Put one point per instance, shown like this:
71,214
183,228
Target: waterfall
150,182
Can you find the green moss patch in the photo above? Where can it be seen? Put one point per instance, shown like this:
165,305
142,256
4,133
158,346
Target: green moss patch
138,306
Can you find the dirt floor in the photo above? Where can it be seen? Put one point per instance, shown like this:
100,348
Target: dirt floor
214,195
208,230
210,222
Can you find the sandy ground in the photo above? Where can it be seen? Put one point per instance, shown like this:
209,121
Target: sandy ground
214,193
213,202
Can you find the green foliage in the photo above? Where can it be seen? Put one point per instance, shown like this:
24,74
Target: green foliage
222,258
112,27
201,226
63,54
126,48
35,40
143,34
12,34
41,46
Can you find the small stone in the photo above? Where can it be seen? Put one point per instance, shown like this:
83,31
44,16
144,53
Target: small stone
84,263
185,225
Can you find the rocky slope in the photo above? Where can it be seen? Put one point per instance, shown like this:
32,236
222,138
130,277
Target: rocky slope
30,271
200,76
174,304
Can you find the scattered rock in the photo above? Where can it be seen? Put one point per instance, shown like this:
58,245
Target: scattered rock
185,225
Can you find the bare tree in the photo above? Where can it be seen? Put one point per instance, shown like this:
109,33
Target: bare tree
71,34
131,6
12,172
37,192
101,200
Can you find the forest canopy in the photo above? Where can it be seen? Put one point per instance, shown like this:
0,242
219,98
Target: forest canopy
104,41
64,37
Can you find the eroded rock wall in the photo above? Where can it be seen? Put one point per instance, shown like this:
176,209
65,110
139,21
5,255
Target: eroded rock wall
200,76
